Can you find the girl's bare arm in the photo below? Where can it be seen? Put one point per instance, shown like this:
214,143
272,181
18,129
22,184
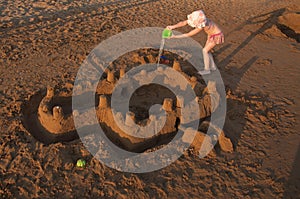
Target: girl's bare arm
178,25
189,34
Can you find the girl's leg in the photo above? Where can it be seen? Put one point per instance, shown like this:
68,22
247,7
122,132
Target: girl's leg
207,58
212,62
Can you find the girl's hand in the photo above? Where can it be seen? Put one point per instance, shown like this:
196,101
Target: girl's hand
170,27
172,37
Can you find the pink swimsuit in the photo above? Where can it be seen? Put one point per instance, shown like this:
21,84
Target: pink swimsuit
216,38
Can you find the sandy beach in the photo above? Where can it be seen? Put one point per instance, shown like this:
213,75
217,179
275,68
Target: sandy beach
44,43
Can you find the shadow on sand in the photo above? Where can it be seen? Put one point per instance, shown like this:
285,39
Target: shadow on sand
291,187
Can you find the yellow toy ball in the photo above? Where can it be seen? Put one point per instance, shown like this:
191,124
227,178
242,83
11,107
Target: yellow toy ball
81,163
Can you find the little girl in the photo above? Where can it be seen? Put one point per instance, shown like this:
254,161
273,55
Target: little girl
215,36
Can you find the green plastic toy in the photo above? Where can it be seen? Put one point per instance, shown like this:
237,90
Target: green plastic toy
166,33
81,163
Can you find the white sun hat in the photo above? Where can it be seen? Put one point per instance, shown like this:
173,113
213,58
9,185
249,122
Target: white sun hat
197,19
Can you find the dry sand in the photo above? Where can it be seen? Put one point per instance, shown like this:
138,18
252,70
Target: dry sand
44,43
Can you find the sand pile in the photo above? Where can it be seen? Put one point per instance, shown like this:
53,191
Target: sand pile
53,116
289,23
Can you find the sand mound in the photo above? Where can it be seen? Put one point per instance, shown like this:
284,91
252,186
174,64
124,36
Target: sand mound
289,24
50,119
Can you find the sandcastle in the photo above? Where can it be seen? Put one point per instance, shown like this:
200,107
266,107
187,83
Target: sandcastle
52,115
55,117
